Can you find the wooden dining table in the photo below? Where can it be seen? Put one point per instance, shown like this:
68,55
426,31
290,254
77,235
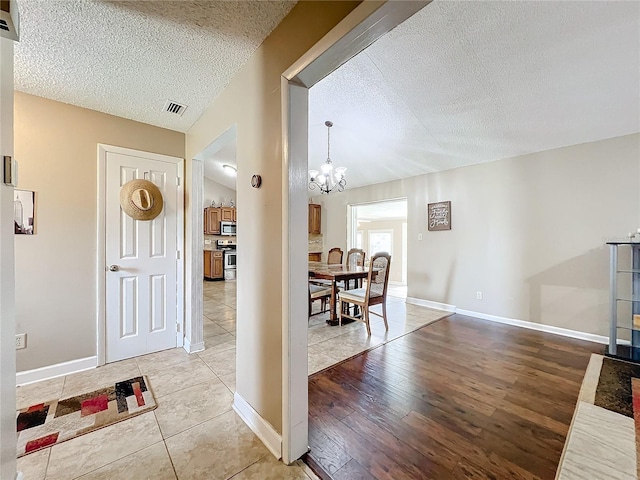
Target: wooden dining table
335,273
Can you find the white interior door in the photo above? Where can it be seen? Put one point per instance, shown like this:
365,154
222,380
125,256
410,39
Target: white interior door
141,294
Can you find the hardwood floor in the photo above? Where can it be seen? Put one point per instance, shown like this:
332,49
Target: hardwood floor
460,398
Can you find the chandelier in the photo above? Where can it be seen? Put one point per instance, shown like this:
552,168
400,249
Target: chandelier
329,178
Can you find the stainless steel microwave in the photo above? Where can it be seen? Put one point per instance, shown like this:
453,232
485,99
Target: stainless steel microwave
228,228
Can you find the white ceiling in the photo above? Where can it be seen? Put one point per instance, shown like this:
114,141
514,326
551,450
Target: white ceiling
127,58
220,152
213,166
467,82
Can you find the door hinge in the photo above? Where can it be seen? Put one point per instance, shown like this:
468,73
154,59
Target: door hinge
178,181
178,327
177,254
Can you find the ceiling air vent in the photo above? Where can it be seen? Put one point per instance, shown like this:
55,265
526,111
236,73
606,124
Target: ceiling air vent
173,107
9,20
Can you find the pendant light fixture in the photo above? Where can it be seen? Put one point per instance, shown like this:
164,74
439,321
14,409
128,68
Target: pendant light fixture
328,178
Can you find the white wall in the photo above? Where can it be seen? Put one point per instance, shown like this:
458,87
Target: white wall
529,232
216,192
7,282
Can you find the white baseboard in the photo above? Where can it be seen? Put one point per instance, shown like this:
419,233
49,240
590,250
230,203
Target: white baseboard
192,348
536,326
19,476
428,303
57,370
263,429
512,321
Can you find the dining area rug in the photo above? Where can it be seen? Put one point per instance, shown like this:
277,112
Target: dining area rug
43,425
604,435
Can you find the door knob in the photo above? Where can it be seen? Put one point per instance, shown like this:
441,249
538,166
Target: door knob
114,268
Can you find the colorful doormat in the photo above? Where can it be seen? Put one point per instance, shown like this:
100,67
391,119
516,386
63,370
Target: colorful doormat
46,424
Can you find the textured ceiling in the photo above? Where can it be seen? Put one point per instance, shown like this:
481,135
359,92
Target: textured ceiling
467,82
128,58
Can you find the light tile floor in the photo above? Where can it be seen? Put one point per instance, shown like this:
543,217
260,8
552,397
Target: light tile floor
330,345
194,433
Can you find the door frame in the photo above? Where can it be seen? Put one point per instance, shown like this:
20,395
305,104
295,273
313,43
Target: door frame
101,266
364,25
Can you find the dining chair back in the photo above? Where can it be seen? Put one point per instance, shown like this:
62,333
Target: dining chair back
334,256
375,293
355,258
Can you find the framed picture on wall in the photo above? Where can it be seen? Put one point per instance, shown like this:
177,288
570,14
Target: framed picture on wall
24,202
439,216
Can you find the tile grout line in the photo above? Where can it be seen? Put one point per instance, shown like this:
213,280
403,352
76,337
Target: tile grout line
112,462
250,465
197,424
46,469
175,472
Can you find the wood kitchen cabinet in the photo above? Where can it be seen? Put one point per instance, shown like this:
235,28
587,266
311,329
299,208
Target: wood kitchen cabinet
315,257
235,215
212,221
227,214
315,218
213,265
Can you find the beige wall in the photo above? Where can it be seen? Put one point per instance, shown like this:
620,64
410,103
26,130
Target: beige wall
528,232
56,147
252,101
214,191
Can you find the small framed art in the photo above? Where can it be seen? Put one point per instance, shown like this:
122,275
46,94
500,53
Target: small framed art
439,216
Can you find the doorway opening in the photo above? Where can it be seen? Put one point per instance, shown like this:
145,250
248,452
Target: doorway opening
361,28
382,227
218,243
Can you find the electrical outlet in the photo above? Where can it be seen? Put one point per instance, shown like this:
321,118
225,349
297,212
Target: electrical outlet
207,241
21,341
419,236
478,295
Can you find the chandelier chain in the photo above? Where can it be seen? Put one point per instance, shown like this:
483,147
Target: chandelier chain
328,143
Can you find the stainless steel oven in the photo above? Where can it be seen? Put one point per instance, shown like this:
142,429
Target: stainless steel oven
228,248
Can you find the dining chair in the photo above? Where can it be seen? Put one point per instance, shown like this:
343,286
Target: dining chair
355,258
334,257
375,293
318,292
